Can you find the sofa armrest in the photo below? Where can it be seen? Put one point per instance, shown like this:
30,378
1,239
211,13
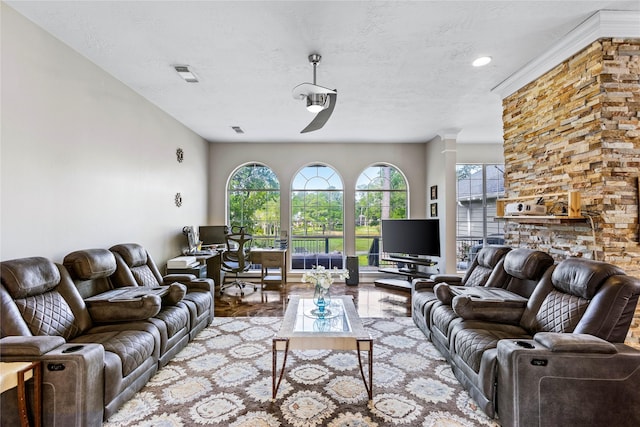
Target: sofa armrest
451,279
574,343
201,285
536,385
124,310
34,346
423,283
180,278
497,311
499,307
191,282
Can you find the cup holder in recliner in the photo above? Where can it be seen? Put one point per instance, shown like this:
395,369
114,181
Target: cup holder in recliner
73,349
524,344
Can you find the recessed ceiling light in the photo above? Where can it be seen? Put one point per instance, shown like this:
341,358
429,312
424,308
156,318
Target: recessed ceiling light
184,72
482,61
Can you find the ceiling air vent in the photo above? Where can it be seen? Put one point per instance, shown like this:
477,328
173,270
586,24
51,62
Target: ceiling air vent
238,129
184,72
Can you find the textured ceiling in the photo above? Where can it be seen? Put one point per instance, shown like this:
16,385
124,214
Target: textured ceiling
402,69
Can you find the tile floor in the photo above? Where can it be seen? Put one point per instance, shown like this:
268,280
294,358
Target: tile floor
371,301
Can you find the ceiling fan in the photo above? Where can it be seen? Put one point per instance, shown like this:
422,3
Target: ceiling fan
320,99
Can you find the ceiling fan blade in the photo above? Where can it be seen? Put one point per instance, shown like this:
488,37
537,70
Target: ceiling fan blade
304,89
322,117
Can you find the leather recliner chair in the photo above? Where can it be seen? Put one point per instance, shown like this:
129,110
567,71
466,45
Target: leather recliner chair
563,362
89,370
134,266
520,271
91,271
488,262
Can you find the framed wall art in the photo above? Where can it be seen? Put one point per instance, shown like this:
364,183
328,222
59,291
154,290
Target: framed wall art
434,192
434,209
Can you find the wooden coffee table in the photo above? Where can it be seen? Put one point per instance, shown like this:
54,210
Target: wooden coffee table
340,330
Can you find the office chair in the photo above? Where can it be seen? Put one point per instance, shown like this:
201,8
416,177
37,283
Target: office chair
236,258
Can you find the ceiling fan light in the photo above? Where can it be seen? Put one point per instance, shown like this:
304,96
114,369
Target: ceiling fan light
316,102
482,61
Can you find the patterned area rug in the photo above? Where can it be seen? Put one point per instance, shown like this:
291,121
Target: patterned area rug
223,378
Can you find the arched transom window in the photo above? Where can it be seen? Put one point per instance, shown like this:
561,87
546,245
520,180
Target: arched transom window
317,216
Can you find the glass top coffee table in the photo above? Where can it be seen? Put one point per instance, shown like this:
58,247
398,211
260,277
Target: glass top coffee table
341,329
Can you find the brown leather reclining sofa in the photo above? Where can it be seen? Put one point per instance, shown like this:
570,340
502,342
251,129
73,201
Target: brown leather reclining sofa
101,324
536,343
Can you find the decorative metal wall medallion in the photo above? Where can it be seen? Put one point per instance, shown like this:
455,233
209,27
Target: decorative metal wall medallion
178,199
180,155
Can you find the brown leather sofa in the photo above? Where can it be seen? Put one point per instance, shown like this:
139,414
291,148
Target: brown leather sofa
93,270
97,351
555,357
134,266
487,264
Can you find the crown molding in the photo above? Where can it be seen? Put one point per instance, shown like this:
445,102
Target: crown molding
451,133
602,24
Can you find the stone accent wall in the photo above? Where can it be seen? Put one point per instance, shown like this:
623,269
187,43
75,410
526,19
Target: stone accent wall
577,128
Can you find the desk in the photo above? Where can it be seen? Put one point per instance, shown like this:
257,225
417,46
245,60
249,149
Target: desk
14,374
271,258
209,267
200,270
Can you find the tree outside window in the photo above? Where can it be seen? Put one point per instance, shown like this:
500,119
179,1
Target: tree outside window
254,203
317,214
381,193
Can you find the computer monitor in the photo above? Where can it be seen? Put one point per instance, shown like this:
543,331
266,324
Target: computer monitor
213,235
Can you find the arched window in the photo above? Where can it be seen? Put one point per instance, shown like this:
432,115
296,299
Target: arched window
253,198
317,216
381,193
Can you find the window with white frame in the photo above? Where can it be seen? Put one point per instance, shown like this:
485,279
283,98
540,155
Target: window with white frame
478,188
317,218
253,202
381,193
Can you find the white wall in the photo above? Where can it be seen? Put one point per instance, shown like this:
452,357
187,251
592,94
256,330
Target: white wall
287,159
85,161
480,153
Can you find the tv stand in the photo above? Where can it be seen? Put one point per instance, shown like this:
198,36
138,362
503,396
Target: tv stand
409,272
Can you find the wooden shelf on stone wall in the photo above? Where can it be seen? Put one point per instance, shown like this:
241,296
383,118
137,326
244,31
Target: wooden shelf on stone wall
573,207
547,219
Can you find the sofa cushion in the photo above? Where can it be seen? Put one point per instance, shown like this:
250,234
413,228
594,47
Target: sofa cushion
472,340
479,276
560,312
132,347
134,255
29,276
489,256
527,264
48,314
582,277
90,264
176,319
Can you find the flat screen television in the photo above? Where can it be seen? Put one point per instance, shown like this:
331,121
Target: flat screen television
213,235
411,237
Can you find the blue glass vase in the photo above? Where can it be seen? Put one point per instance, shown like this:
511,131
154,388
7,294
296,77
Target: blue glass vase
322,299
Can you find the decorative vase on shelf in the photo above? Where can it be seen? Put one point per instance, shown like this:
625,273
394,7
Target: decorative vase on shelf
322,299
